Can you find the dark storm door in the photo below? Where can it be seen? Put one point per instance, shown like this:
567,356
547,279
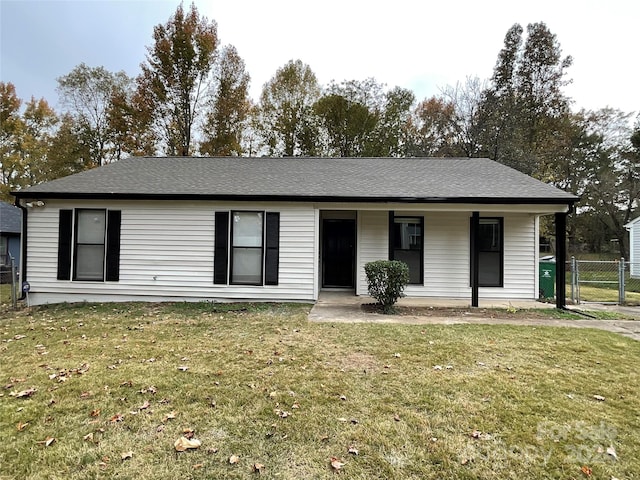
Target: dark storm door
338,252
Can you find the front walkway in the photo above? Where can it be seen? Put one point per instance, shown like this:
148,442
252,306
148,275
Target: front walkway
345,307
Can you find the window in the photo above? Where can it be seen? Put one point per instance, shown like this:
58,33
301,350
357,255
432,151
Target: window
490,252
406,242
90,241
247,248
89,245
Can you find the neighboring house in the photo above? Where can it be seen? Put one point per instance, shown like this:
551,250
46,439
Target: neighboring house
633,227
10,228
222,229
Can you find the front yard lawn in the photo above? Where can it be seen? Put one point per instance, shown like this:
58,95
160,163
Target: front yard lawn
105,391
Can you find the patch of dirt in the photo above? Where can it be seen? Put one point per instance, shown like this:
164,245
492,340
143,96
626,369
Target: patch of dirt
457,312
359,361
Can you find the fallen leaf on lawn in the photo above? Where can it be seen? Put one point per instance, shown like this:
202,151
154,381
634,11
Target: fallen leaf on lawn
342,397
198,466
437,367
145,405
233,459
353,450
85,394
24,393
88,437
183,368
169,416
184,443
118,417
126,455
21,426
95,413
396,417
587,471
612,451
258,467
396,355
188,432
342,419
336,464
47,441
600,398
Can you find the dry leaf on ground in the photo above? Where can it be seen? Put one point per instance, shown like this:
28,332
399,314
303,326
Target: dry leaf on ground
21,426
258,467
336,464
184,443
24,393
233,459
126,455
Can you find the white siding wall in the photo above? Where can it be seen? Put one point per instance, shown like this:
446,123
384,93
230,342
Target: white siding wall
167,252
447,254
634,249
372,243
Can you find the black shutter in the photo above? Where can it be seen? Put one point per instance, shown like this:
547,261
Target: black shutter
220,252
272,252
65,226
113,245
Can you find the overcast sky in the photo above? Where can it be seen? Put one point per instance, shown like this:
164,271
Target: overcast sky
423,45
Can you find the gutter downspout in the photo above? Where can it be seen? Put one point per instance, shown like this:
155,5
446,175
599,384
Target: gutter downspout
23,248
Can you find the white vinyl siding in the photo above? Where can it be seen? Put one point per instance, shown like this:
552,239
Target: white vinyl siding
634,249
166,252
372,243
447,254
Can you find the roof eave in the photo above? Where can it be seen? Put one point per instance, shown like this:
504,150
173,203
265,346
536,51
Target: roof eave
294,198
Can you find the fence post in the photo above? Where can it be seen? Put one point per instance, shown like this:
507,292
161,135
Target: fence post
573,279
621,293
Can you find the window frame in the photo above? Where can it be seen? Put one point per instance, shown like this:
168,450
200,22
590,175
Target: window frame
392,222
76,244
232,247
4,250
500,251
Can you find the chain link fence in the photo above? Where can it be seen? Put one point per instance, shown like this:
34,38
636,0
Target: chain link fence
9,285
603,281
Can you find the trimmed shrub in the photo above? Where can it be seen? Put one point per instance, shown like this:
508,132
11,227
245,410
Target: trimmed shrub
386,280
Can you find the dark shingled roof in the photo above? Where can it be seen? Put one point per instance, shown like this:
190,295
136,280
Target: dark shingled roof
10,218
460,180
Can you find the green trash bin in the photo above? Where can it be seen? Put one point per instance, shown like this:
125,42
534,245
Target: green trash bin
547,278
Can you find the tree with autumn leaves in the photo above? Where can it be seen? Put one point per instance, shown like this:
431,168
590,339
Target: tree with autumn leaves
192,98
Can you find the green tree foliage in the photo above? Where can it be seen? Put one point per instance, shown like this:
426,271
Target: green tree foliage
284,119
229,106
392,136
130,117
525,106
176,76
608,174
349,114
86,93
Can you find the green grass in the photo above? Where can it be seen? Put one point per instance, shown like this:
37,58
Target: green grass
516,402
